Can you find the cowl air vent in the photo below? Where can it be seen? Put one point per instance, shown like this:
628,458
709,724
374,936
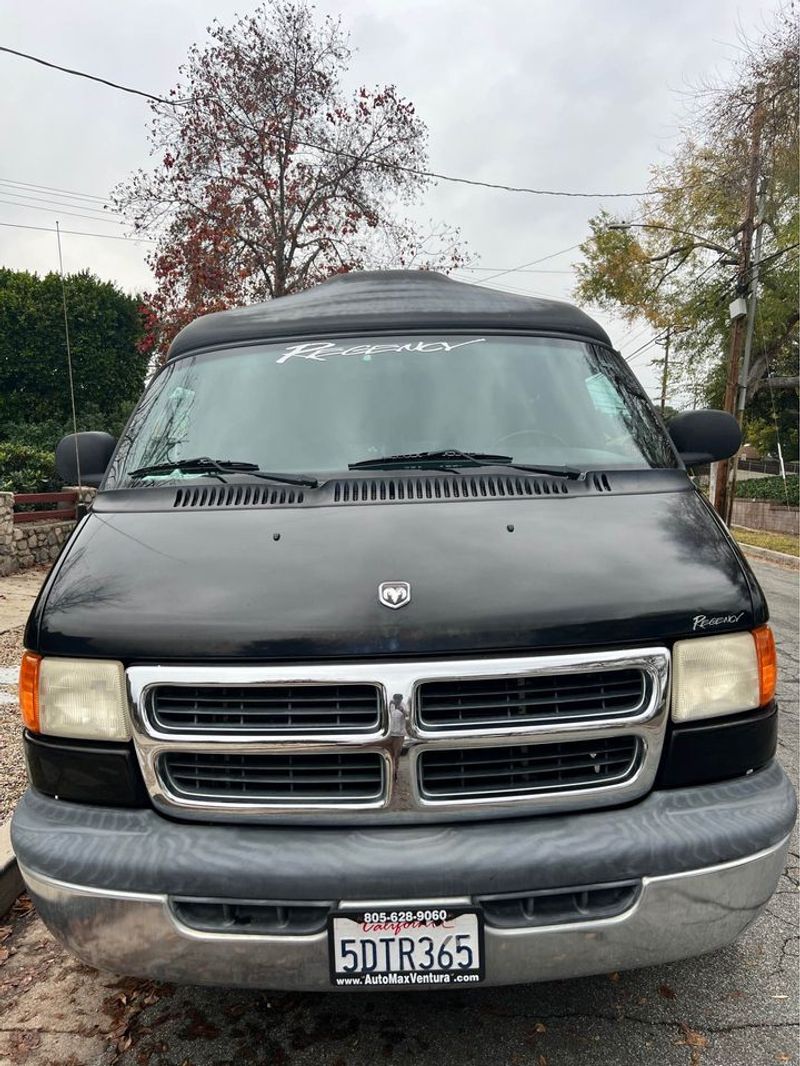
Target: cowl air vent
476,487
601,483
237,496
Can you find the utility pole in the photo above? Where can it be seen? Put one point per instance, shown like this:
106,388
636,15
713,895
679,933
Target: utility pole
722,495
665,371
741,398
744,373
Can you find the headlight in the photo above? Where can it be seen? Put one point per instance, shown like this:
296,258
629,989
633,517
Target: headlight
720,675
83,698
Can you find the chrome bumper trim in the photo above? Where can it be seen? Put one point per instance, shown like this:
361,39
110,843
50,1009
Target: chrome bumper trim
402,738
674,917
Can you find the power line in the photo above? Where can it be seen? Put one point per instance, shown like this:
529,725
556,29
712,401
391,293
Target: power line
371,161
58,211
524,266
515,270
521,292
58,203
78,232
50,188
352,155
643,347
89,77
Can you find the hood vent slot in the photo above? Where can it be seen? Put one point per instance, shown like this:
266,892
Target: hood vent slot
237,496
423,488
473,487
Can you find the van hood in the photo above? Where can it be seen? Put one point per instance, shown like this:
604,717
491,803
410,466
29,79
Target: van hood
302,583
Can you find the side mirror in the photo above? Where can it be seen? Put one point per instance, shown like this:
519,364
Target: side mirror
94,451
705,436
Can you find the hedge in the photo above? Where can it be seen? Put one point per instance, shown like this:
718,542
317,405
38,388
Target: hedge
24,468
770,488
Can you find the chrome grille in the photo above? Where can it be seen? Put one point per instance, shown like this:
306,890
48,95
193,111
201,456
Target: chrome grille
267,710
515,701
401,741
285,779
457,773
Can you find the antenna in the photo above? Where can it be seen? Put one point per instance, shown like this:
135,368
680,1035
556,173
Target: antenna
69,356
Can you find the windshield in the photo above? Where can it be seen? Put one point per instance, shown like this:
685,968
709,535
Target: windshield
315,407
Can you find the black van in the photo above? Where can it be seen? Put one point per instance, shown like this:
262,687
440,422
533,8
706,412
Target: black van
399,649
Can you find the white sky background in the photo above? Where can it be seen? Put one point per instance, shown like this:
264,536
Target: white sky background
568,95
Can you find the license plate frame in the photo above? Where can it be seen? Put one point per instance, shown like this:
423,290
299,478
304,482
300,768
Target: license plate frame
410,923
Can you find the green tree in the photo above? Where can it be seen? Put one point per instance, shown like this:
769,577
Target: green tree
675,264
109,369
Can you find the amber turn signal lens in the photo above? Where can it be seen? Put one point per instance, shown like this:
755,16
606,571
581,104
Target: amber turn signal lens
767,663
29,689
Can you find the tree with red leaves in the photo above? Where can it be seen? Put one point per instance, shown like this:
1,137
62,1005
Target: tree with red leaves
270,177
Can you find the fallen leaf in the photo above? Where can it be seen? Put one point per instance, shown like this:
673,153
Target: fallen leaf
613,977
691,1038
5,932
783,1057
541,1061
540,1027
667,992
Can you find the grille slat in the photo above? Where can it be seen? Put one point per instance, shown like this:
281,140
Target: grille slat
512,702
455,773
286,779
267,710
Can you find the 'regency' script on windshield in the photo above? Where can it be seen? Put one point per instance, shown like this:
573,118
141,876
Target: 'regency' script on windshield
321,351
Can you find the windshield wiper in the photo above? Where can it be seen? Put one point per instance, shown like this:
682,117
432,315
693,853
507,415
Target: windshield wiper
451,456
217,467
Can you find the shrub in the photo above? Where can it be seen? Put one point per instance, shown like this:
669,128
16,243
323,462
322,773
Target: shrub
27,469
770,488
41,436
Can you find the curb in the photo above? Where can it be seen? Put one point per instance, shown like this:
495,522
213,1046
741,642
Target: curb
11,884
768,554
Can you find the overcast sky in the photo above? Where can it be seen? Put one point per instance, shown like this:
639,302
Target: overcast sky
564,94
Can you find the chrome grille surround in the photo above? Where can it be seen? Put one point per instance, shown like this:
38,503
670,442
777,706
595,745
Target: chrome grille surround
401,738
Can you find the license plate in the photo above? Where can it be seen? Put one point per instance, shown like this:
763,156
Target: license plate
413,947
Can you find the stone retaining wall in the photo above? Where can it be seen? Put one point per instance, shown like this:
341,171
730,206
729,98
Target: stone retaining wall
33,543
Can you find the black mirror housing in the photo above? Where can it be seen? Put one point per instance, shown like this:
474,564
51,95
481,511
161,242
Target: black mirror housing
94,451
705,436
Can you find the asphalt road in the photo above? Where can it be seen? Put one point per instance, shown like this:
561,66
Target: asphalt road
737,1007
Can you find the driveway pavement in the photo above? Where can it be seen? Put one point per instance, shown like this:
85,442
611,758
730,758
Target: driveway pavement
737,1007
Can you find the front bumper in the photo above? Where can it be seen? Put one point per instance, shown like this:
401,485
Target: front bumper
708,859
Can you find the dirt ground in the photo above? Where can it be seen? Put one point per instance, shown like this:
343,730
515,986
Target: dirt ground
17,593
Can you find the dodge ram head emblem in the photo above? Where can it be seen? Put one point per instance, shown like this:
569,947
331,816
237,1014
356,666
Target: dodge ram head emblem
394,594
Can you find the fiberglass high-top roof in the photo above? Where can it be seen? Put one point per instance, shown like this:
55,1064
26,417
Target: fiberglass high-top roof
386,301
